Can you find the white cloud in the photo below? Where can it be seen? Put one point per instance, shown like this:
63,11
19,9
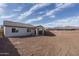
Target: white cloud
58,8
3,4
51,13
1,11
18,9
31,10
59,4
7,16
52,16
32,20
41,12
70,21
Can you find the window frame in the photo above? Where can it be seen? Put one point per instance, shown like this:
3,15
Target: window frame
28,30
14,30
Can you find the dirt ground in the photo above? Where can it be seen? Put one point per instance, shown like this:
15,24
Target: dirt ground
65,43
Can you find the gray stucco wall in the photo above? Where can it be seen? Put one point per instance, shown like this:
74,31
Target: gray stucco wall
21,32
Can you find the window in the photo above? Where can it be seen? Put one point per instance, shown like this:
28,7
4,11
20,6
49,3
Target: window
28,30
14,30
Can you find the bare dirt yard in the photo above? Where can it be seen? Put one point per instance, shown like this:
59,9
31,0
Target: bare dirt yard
65,43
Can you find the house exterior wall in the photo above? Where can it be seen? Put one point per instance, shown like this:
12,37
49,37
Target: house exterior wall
21,32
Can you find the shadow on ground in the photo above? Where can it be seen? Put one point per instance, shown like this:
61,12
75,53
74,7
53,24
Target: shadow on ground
48,33
7,48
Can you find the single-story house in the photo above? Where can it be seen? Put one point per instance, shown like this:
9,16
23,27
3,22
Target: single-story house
13,29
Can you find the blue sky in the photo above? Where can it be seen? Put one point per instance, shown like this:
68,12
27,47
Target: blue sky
46,14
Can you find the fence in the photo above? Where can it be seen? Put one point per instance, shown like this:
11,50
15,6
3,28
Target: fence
1,33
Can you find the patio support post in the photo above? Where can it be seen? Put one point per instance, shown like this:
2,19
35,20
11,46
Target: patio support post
36,32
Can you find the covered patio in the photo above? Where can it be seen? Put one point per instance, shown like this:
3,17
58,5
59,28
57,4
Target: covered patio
39,30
